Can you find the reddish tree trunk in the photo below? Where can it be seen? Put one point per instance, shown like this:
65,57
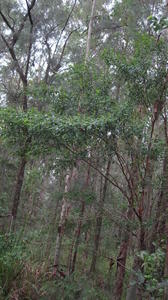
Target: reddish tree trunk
162,223
121,260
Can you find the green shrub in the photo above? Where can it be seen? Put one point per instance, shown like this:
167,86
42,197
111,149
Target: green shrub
11,261
152,279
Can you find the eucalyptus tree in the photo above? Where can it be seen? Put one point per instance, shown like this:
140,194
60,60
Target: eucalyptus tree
27,32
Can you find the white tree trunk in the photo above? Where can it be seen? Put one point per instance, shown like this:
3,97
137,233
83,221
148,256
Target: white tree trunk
63,217
90,30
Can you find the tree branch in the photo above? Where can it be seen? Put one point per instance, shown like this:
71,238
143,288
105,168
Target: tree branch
6,21
18,32
64,46
65,25
12,53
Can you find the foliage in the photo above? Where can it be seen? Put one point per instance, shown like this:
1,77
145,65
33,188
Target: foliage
70,288
157,24
152,277
11,261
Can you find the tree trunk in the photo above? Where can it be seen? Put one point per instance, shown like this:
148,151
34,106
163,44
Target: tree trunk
51,229
132,289
86,239
90,30
121,260
17,192
21,171
63,217
161,226
137,266
144,209
162,207
166,264
75,244
99,221
78,232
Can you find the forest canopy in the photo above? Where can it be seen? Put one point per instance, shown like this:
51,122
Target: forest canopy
83,149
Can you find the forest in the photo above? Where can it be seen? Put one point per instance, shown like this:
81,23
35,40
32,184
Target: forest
83,149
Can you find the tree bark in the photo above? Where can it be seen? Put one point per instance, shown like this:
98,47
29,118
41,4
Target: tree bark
161,225
78,233
51,229
18,188
23,77
99,221
63,217
166,264
90,30
75,244
121,260
132,289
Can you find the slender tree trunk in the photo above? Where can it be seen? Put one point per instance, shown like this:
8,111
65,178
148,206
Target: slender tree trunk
121,260
162,206
99,222
78,232
18,188
111,264
166,263
161,225
75,244
23,76
51,229
132,289
90,30
21,171
143,209
86,251
63,217
69,261
135,290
